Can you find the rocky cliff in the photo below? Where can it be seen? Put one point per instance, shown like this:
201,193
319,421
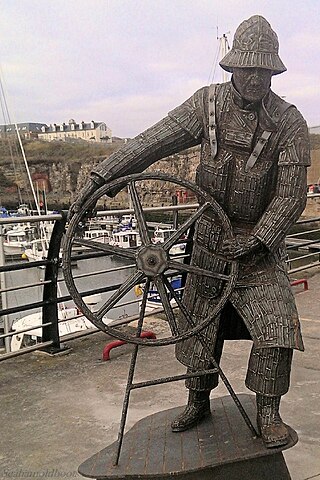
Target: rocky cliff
62,169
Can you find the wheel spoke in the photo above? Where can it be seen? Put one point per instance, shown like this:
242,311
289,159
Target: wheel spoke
143,307
142,224
105,247
166,305
137,277
183,267
184,227
183,309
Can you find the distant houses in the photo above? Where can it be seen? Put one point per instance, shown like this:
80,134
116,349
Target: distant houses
71,131
26,129
65,132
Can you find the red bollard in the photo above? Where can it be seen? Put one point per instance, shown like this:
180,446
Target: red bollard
117,343
298,282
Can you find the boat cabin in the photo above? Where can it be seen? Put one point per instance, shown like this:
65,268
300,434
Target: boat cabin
126,239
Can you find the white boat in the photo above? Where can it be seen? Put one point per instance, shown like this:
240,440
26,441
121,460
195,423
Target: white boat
36,250
17,239
98,235
126,239
162,234
128,221
70,321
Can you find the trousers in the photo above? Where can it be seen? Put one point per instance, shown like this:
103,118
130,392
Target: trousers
268,371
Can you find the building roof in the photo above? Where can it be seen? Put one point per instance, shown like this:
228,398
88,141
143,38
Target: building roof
72,126
23,127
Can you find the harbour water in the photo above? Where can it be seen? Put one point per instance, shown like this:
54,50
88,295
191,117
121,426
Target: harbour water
34,275
120,270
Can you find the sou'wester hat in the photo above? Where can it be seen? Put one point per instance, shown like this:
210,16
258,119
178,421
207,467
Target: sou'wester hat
255,44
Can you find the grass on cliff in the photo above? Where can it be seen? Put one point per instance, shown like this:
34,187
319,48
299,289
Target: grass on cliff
315,141
51,152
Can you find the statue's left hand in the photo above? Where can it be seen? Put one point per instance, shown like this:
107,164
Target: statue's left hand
240,246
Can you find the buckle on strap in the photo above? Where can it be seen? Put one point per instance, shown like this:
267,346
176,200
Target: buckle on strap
255,154
212,119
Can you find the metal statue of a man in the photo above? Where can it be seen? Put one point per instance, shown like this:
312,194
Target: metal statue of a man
254,157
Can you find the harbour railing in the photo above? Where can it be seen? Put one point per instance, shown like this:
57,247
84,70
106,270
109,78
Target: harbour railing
303,253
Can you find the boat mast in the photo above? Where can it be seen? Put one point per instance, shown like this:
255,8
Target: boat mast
224,48
28,171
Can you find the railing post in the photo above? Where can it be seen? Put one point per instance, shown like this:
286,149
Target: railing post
175,218
50,310
3,299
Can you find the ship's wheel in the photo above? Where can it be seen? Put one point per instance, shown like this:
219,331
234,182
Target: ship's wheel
153,262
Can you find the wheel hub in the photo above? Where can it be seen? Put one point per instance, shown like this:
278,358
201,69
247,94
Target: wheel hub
152,260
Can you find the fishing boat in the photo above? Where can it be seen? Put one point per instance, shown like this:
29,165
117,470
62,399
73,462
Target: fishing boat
98,235
153,297
128,221
126,239
36,250
70,319
161,234
17,239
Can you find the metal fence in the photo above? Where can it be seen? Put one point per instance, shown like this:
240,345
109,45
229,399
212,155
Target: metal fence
303,249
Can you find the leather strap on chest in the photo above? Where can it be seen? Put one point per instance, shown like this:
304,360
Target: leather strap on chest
212,120
255,154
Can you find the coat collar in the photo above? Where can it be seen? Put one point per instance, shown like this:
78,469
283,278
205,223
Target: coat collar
266,121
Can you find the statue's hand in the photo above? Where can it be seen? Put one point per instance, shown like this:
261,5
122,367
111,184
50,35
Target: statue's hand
86,192
240,246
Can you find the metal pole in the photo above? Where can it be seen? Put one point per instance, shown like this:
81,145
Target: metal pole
175,219
4,301
50,309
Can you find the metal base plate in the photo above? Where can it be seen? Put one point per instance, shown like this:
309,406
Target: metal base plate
222,443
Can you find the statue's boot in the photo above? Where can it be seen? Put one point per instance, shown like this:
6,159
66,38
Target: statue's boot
274,432
197,408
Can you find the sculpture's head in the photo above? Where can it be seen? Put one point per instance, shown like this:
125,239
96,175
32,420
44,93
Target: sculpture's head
253,58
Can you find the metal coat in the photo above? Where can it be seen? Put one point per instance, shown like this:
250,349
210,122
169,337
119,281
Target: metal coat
262,198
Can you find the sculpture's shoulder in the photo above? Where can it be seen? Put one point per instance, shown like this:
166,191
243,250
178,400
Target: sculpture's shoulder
192,114
292,132
285,115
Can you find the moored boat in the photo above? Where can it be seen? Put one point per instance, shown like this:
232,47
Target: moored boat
126,239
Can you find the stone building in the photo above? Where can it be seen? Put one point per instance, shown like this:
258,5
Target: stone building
89,132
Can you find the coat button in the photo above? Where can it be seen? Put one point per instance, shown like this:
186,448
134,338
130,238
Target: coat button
252,116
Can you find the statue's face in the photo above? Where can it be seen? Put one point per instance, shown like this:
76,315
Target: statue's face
252,83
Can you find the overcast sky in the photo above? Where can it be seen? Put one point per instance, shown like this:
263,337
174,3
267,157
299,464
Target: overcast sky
128,62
